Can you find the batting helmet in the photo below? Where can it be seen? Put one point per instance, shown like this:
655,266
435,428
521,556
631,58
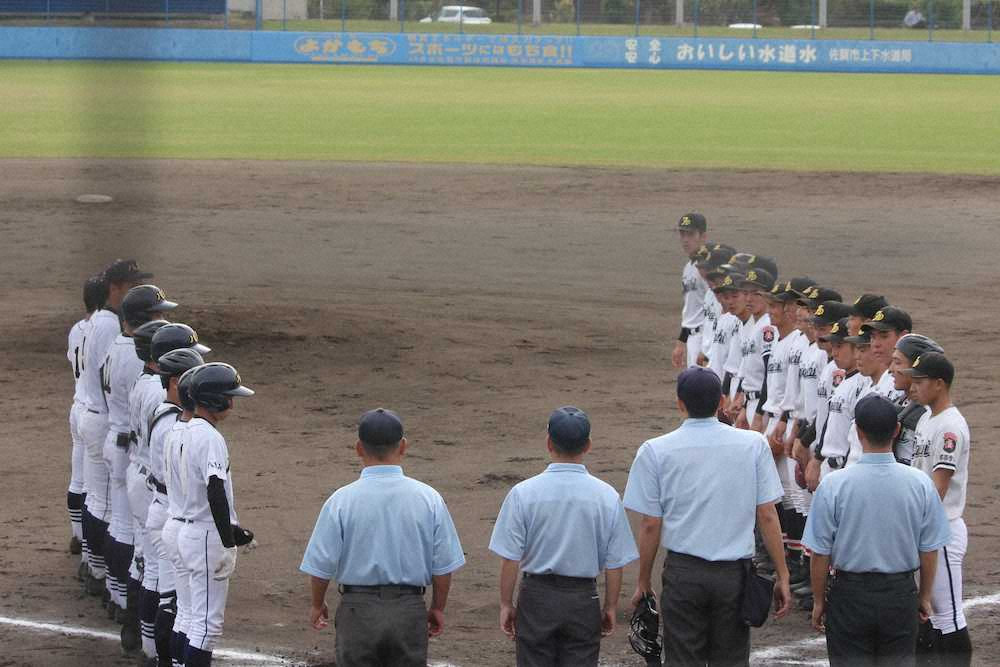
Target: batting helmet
914,345
143,335
176,336
177,362
184,389
214,384
141,302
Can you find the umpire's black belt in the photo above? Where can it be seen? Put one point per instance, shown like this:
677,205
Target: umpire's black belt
560,580
678,557
872,577
390,590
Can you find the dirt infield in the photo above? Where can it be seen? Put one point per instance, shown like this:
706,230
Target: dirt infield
472,300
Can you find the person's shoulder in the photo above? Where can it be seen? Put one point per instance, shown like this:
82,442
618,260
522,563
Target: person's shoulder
423,489
601,487
954,419
203,431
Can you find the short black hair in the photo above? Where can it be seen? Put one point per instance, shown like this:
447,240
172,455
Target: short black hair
570,447
95,293
700,390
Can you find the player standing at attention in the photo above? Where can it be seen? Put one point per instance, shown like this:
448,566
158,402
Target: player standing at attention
849,384
561,529
908,349
887,326
941,450
384,538
751,393
691,229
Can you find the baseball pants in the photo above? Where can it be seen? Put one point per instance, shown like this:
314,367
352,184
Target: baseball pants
701,607
156,521
381,629
74,497
693,348
946,595
201,551
182,576
871,620
93,428
558,622
139,499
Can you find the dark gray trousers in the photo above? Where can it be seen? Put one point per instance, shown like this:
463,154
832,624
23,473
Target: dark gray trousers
872,620
558,623
381,630
701,607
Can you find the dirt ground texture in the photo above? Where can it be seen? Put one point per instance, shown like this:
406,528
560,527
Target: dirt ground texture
473,300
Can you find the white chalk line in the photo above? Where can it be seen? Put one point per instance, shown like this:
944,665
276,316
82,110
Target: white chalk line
784,653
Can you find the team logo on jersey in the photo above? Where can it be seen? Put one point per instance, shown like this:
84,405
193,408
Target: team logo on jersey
768,335
820,310
838,377
879,316
950,442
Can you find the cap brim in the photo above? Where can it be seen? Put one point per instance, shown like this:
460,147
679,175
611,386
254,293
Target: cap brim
201,349
162,306
878,326
241,391
833,339
914,372
857,340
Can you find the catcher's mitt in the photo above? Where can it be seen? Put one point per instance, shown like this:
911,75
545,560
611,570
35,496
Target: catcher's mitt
644,631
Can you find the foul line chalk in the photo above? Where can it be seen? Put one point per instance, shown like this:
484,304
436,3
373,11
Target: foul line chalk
76,631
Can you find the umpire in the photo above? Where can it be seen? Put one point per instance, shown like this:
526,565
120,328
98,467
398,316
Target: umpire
700,490
384,538
876,522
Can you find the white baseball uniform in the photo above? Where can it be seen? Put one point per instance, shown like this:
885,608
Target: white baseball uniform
203,455
835,443
777,380
173,478
856,449
734,357
752,373
726,328
693,313
121,370
104,328
163,421
74,352
943,443
829,378
713,311
886,386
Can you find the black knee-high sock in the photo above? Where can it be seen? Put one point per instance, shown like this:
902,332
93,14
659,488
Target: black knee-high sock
163,633
197,658
74,505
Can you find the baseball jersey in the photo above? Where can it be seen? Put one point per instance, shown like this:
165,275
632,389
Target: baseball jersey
713,311
909,416
203,454
173,467
735,355
886,386
829,378
694,288
777,370
384,528
119,373
755,347
104,328
813,360
835,442
942,443
74,352
727,327
564,521
164,418
147,395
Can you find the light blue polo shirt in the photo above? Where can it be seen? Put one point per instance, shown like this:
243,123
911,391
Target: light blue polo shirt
564,521
385,528
876,516
705,480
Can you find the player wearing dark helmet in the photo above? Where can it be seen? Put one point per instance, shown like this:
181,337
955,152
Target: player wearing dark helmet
210,532
907,350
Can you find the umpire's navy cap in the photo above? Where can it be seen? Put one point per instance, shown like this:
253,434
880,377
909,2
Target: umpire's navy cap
692,222
380,428
699,389
877,417
569,426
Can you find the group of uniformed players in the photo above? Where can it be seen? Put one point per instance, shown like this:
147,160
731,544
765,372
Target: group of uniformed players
794,360
150,498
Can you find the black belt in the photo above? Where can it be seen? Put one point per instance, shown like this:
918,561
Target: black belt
94,412
836,462
560,580
157,484
675,556
872,577
177,518
391,589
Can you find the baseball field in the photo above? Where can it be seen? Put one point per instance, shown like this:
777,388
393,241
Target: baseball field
472,248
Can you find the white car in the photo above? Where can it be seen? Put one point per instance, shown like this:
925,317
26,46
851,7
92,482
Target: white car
459,14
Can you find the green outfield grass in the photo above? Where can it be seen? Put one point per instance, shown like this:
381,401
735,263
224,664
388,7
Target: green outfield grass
742,120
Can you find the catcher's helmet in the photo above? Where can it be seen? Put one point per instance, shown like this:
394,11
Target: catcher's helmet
141,301
176,336
914,345
184,389
143,335
213,384
177,362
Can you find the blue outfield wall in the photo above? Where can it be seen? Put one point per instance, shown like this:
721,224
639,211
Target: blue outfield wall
498,50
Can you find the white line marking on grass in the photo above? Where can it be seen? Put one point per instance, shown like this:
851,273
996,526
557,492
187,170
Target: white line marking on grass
77,631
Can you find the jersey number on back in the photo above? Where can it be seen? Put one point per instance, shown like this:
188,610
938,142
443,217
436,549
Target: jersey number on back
106,376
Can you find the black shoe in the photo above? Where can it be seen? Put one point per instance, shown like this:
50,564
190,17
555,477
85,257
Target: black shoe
81,572
94,585
75,547
131,639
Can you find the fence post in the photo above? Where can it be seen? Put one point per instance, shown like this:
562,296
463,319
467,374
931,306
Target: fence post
697,15
989,21
812,18
753,19
259,18
284,14
576,4
930,20
48,10
966,15
402,15
225,21
871,19
637,17
679,12
321,13
823,18
167,7
520,15
343,15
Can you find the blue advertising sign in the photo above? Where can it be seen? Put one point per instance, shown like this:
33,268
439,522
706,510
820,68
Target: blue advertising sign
501,50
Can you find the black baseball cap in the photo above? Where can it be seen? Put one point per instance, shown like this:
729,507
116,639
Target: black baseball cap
814,296
889,319
932,365
863,338
759,278
829,312
692,222
700,390
867,305
913,345
717,255
838,332
124,271
380,428
569,427
790,290
877,417
730,283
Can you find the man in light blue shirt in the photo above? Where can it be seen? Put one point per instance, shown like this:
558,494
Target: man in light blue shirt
700,490
383,538
876,522
561,529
